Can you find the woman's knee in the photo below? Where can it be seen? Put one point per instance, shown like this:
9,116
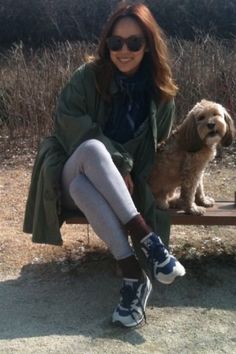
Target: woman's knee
91,149
91,145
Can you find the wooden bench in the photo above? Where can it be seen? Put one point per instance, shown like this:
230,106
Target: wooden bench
222,213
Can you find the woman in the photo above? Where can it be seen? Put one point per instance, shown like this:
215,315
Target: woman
110,116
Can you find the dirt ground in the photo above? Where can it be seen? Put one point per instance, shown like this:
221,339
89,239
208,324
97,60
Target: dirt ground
60,299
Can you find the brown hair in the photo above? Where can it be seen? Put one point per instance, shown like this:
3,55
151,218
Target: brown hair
157,57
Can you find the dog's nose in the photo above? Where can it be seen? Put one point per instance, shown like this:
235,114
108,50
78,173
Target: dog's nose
211,125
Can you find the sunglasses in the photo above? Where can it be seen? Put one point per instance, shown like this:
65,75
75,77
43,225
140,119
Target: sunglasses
134,43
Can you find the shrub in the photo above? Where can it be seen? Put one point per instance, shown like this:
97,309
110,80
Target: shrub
32,80
37,22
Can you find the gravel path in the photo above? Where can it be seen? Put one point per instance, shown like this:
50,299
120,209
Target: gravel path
43,312
60,299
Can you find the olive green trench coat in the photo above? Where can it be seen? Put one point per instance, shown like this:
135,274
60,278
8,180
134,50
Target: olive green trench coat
81,114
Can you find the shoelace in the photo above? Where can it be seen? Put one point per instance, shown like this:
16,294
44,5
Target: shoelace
154,250
128,295
152,255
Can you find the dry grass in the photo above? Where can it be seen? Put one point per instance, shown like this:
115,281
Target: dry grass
16,248
31,81
204,69
80,247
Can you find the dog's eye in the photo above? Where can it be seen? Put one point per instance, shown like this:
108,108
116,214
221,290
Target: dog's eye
201,117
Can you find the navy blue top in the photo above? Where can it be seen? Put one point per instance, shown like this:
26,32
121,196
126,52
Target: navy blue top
130,107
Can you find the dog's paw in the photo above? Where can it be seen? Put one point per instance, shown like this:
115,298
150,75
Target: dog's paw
207,202
176,203
195,210
162,204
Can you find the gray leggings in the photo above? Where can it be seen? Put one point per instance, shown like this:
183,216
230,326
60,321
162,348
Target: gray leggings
91,181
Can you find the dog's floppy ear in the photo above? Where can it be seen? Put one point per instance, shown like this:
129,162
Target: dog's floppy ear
188,134
231,132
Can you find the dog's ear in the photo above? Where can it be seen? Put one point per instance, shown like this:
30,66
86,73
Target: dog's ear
231,132
188,134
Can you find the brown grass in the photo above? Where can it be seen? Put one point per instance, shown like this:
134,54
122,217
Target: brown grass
16,248
31,81
205,69
81,245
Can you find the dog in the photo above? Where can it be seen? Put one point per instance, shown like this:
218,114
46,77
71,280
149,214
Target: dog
180,161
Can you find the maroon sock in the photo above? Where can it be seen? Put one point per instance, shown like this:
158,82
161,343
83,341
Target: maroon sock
130,268
138,228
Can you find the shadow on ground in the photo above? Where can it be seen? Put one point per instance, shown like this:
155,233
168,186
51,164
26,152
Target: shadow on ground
44,300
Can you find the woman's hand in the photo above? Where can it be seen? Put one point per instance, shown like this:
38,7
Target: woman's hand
129,183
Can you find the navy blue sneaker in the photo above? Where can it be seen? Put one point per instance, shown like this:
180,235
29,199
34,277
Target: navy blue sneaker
164,267
134,295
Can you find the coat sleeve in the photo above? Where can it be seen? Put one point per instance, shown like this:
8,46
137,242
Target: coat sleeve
74,122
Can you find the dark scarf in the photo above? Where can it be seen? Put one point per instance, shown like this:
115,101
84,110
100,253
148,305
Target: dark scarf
130,106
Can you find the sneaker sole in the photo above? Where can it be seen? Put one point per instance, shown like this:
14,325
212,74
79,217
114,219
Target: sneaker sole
179,271
129,325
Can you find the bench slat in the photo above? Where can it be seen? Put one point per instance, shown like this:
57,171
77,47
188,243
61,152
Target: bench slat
222,213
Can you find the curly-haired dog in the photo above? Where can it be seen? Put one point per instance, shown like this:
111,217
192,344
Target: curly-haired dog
180,161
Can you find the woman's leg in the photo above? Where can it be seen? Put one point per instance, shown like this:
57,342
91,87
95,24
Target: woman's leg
100,216
92,180
105,224
136,286
92,160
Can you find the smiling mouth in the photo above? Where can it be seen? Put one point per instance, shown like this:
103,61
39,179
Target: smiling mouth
124,60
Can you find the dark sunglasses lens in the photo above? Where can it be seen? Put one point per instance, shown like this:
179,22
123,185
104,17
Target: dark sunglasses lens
114,43
134,43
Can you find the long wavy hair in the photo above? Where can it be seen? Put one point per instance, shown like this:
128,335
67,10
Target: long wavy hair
156,58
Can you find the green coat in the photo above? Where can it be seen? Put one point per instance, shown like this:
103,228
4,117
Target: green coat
81,114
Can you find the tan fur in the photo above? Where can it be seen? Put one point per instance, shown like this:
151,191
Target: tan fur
180,161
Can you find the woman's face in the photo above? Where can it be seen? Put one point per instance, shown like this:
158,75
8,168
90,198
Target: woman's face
125,60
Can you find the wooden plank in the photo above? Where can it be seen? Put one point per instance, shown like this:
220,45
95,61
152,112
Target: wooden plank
222,213
76,220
